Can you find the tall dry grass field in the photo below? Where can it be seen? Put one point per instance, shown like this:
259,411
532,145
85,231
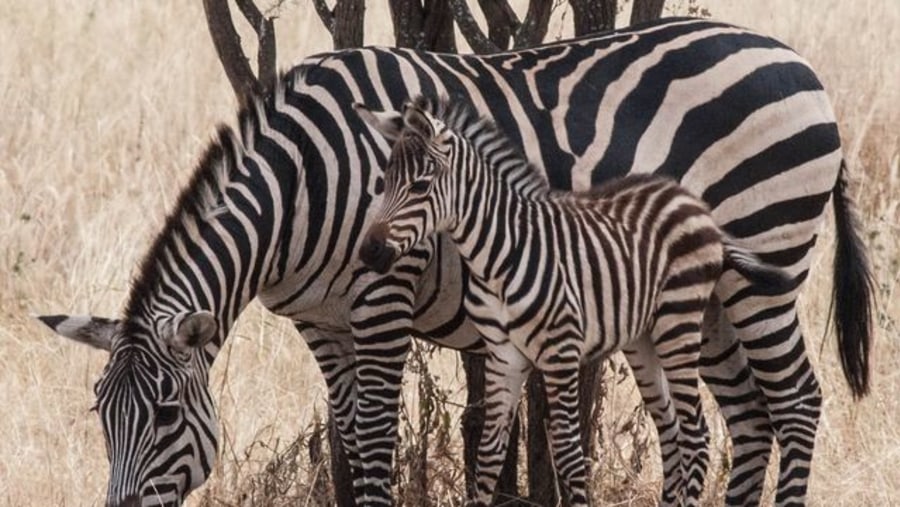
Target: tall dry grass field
104,110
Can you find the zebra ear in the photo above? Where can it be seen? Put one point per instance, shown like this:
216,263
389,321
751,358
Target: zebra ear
418,121
94,331
193,330
387,123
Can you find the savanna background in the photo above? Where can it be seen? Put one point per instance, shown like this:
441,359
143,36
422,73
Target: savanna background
105,108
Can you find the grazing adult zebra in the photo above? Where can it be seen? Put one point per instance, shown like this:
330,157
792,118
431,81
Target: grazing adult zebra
556,278
276,212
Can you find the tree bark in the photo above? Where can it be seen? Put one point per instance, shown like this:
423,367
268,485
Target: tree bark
228,46
348,23
541,475
502,24
534,28
427,26
591,16
502,21
407,17
438,27
646,10
469,28
267,70
340,467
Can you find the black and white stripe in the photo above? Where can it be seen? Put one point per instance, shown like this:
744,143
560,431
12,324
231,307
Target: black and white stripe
558,278
738,118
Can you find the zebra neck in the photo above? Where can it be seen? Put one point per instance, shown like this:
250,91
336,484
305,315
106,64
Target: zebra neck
491,234
218,247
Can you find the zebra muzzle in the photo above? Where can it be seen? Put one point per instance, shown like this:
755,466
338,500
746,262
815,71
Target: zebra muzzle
376,254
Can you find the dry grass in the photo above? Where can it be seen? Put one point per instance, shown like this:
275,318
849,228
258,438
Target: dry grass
105,107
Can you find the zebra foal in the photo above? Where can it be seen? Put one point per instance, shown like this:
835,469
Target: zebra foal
557,278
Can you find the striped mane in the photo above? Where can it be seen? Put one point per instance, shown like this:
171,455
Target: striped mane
485,135
197,201
201,199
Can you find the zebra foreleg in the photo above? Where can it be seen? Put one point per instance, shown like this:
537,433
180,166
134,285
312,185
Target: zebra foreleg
381,324
505,372
335,356
724,370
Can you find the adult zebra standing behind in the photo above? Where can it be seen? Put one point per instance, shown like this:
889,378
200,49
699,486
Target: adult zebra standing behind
557,278
276,211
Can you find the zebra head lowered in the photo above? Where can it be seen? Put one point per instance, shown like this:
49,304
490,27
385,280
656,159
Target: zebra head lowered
154,405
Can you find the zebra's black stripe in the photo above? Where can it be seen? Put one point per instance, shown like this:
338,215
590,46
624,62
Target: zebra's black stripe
301,178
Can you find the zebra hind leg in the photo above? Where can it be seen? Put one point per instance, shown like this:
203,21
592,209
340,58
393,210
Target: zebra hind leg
505,372
724,370
654,389
769,331
676,338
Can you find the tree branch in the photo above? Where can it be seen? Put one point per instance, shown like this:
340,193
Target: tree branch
347,30
265,33
437,27
228,46
534,28
407,17
646,10
325,14
501,20
469,28
592,16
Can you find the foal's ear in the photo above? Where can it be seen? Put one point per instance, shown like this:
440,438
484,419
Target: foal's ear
94,331
387,123
418,121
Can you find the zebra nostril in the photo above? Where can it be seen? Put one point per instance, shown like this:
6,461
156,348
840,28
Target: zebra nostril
371,251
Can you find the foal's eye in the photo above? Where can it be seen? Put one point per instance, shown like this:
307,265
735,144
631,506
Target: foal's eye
166,415
419,187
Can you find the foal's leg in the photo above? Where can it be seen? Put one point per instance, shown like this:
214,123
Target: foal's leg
561,384
505,371
654,389
676,338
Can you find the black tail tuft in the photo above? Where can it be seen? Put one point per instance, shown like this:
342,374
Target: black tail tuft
853,291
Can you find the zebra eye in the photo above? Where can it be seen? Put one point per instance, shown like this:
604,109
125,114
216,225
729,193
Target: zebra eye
166,415
419,187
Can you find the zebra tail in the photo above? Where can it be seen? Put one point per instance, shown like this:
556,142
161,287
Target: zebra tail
853,291
750,266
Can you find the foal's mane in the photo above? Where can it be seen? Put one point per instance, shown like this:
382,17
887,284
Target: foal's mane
501,154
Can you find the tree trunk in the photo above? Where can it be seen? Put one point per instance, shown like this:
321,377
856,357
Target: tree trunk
228,46
438,27
591,393
533,30
428,26
541,475
646,10
407,17
592,16
501,21
340,467
348,23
